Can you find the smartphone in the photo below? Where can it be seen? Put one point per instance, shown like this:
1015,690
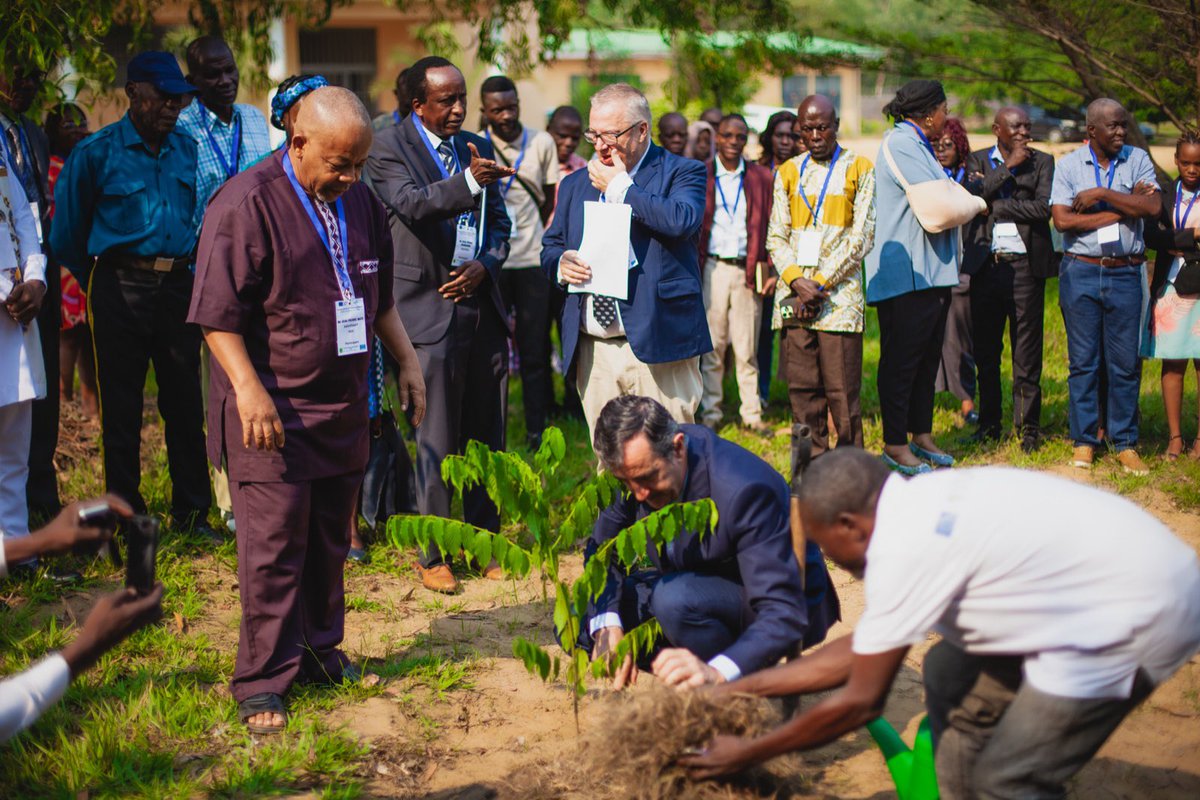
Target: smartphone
141,550
99,515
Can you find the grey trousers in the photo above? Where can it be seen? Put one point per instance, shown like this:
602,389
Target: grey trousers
998,738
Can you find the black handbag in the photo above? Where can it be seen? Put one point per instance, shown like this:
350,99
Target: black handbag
1188,279
389,485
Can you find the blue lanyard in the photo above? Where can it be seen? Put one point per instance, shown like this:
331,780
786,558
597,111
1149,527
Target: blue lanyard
231,169
924,139
1112,169
837,151
339,269
1180,223
25,168
956,175
437,158
737,198
517,166
396,117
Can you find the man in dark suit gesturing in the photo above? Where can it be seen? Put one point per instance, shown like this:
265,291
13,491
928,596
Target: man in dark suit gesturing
729,601
1009,254
450,232
651,343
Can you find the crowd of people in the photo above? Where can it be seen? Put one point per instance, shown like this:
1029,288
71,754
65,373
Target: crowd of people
177,237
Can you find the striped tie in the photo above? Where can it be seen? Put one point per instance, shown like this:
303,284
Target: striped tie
446,151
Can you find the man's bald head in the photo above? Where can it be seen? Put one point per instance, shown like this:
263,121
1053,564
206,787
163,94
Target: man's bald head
1012,129
1107,124
817,123
330,142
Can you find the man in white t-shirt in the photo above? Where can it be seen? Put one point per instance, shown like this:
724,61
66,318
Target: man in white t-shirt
1059,614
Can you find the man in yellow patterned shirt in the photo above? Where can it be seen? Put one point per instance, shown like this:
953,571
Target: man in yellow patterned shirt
822,225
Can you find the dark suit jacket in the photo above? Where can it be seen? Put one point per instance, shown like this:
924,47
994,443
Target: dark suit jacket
1022,197
758,188
1161,235
422,211
40,145
664,317
751,546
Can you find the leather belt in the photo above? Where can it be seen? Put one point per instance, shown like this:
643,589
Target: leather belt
146,263
1010,257
1110,261
735,262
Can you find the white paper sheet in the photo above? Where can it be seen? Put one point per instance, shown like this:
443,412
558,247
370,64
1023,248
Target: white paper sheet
605,248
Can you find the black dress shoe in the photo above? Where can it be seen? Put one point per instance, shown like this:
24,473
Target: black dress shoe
985,436
1031,442
206,532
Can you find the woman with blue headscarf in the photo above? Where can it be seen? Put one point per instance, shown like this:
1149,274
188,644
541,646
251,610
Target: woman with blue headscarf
286,102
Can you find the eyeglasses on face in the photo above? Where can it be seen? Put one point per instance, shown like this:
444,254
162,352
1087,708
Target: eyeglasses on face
608,138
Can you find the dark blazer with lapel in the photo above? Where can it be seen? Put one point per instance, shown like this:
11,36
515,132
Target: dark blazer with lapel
39,143
664,316
422,211
752,545
1027,203
757,188
1161,235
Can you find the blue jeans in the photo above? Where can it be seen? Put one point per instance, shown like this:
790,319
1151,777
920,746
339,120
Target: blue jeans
1102,312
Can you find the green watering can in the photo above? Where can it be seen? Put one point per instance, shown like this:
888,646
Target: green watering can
912,770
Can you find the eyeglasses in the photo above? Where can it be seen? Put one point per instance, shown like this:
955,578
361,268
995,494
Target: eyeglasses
607,137
942,146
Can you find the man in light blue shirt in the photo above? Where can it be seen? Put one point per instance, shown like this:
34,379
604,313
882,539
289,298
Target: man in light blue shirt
1102,192
229,138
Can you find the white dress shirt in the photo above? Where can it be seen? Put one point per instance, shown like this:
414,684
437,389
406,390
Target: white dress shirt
615,193
728,236
436,141
20,346
25,696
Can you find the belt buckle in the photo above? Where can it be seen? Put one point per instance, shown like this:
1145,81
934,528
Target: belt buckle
1110,261
164,264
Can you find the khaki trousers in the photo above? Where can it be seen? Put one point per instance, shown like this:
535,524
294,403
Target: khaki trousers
608,368
734,312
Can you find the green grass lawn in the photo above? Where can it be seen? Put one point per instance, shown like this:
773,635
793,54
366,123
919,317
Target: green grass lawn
154,718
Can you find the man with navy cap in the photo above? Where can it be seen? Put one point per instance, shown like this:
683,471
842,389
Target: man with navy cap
124,226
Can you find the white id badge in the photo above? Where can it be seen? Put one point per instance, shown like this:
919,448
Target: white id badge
464,244
808,248
351,319
1109,234
1005,230
37,220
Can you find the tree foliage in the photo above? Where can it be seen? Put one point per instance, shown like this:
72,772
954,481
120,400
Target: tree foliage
519,491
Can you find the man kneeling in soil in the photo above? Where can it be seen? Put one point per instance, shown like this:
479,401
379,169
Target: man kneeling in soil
1059,615
729,601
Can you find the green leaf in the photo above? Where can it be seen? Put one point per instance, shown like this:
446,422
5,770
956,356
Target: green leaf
483,548
561,612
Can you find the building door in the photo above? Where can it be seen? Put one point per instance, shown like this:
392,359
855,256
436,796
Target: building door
345,56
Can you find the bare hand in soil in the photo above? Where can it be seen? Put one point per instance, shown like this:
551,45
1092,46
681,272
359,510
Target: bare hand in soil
724,755
261,427
607,640
682,669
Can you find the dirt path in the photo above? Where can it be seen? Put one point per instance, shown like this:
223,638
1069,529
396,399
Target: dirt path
498,718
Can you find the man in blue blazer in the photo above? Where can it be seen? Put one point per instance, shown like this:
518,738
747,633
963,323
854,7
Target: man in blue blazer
450,236
651,343
729,601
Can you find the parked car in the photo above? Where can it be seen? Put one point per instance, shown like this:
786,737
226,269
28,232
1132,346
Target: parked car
1045,127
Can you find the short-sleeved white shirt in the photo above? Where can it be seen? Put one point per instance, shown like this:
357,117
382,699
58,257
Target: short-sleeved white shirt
1082,583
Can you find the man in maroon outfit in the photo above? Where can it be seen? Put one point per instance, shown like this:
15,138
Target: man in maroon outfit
294,273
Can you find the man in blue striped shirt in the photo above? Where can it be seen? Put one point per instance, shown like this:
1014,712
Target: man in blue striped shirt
229,138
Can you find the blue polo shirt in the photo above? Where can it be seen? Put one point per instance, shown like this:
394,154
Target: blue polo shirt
115,196
1076,171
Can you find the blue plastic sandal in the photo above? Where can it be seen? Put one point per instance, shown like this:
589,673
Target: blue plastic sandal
937,459
903,469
